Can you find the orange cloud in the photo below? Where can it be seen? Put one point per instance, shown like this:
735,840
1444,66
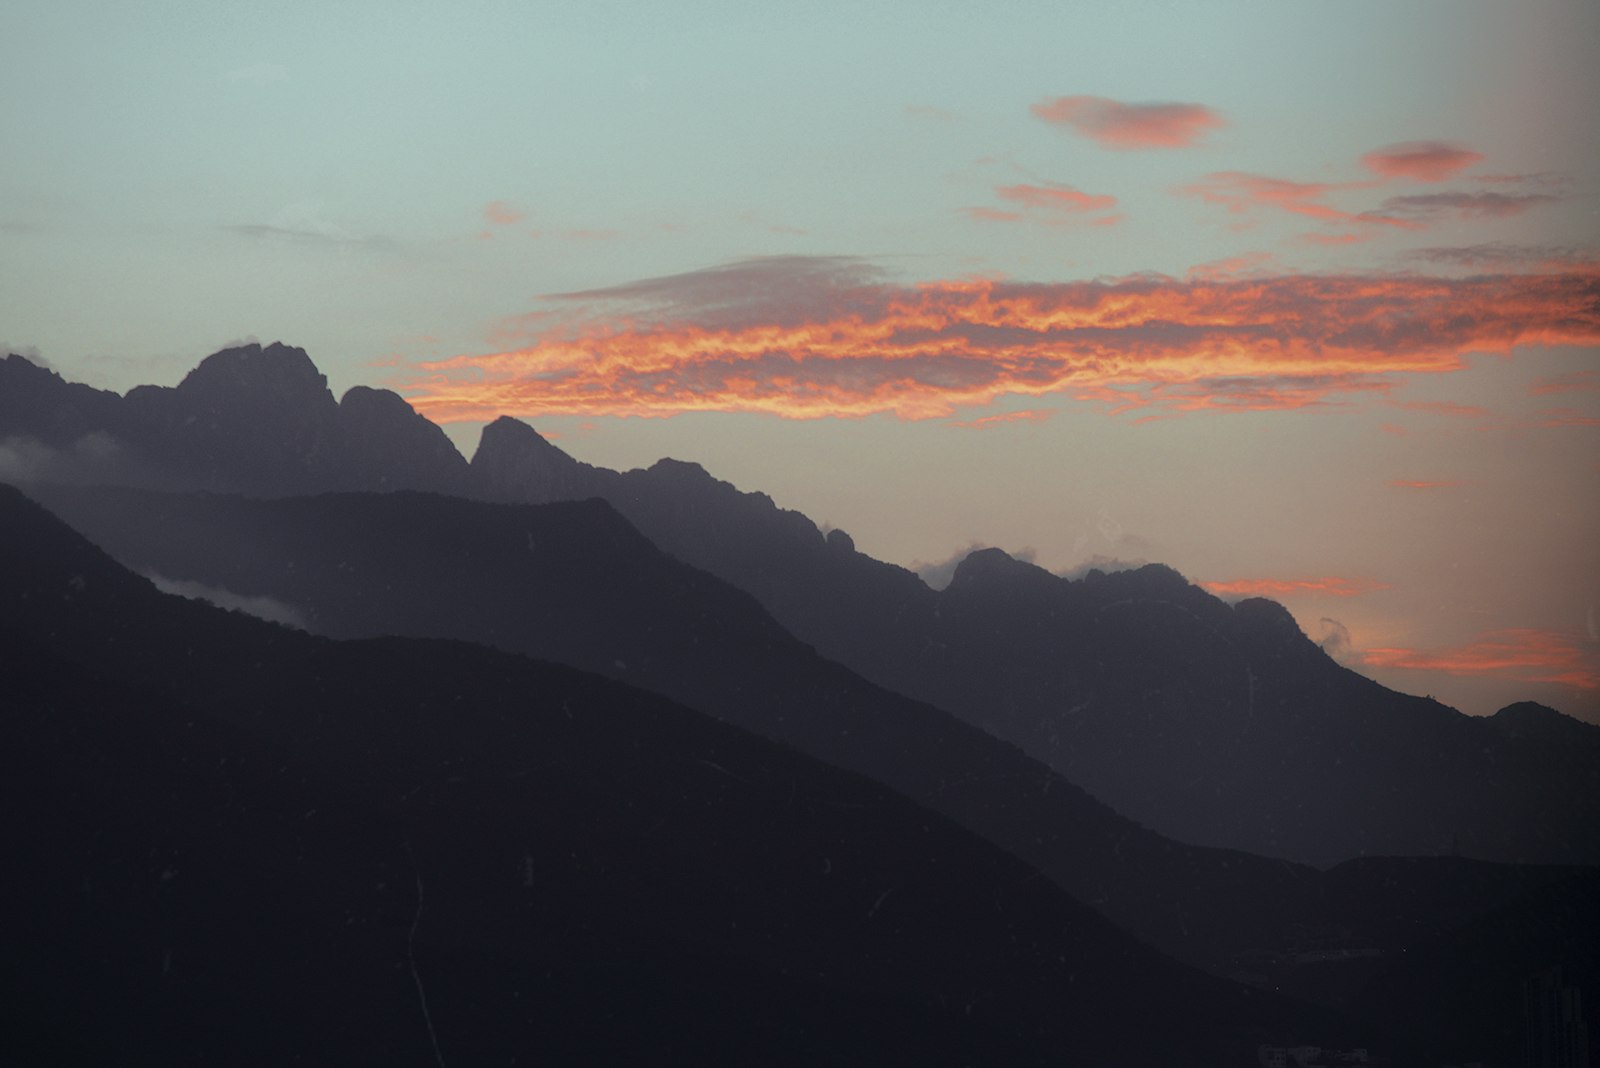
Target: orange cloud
1030,415
803,337
502,213
1129,126
1240,192
1523,654
1423,161
1317,587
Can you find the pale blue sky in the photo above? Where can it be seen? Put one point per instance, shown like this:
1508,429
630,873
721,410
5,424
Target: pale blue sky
178,175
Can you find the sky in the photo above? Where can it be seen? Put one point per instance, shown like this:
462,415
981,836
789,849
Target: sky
1302,299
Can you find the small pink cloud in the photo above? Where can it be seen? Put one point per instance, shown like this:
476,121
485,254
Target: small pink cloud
1053,203
1231,267
1056,197
1422,161
1129,126
502,213
1425,484
991,214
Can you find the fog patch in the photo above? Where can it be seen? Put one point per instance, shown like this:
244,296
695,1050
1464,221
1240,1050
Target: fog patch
268,608
1334,638
1099,562
95,457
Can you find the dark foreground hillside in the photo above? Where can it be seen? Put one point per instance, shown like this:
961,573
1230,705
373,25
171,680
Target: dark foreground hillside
232,843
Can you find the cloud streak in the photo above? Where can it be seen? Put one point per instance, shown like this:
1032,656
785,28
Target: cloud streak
1124,126
1316,587
1464,205
1242,193
1522,654
1054,204
808,338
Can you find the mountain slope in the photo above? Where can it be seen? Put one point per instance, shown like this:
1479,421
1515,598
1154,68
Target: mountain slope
419,850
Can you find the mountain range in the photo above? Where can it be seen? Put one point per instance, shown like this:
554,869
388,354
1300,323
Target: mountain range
1214,724
1125,742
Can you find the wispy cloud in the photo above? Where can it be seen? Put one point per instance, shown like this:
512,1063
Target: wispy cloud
808,338
1050,203
1465,205
502,213
1523,654
1506,256
1119,125
1425,484
1302,587
1450,408
1423,161
1572,382
307,223
1242,193
1552,418
1029,415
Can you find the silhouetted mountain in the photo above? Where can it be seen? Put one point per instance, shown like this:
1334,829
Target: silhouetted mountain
1529,719
235,843
1214,724
252,419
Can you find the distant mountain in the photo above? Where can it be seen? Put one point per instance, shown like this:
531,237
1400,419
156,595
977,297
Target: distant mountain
1214,724
234,843
251,419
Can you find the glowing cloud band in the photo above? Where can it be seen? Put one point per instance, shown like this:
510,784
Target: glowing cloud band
832,343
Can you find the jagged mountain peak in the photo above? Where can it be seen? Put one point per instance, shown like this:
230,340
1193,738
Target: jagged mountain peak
514,462
508,436
988,568
276,369
680,470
